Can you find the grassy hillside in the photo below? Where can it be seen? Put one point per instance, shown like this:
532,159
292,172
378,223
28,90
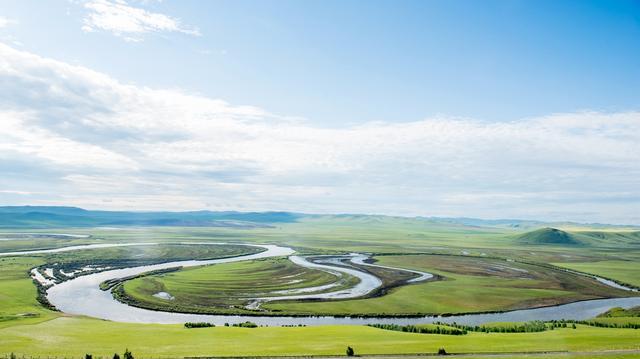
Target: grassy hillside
621,312
551,236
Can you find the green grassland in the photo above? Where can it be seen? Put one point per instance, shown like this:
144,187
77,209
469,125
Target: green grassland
76,336
469,283
18,303
591,355
618,320
14,245
121,257
623,271
225,288
18,293
151,253
621,312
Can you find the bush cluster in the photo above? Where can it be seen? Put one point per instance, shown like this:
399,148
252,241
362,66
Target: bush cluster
246,324
603,325
423,330
198,325
527,327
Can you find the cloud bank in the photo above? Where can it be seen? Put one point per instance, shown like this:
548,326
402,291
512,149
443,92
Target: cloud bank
129,22
73,136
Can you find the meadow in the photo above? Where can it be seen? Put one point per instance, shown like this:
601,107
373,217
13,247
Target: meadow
624,271
76,336
478,269
224,288
467,284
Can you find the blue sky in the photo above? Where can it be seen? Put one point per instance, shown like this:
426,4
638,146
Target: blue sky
337,62
463,108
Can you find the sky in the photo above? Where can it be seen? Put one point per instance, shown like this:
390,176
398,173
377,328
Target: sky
492,109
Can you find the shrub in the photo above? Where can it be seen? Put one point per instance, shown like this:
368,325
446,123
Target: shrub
198,325
350,352
441,351
452,330
246,324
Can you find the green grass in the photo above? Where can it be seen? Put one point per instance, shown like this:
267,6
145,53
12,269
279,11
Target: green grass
549,236
465,289
120,257
42,243
151,253
624,271
76,336
469,286
621,312
18,303
618,320
604,355
215,288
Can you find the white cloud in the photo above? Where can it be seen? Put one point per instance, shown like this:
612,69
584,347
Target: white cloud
129,22
5,22
106,144
32,140
21,193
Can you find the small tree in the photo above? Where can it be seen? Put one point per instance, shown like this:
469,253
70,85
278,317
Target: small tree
441,351
88,356
573,326
116,356
12,356
127,354
350,352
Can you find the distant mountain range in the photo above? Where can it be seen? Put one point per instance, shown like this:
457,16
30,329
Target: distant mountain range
60,216
48,216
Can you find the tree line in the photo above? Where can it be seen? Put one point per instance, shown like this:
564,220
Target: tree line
419,329
526,327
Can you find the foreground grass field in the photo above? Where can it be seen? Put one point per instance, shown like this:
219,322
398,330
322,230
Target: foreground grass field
76,336
18,294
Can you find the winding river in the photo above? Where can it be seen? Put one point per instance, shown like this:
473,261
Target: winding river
82,296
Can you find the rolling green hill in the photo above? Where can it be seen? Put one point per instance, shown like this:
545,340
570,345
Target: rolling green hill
549,236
